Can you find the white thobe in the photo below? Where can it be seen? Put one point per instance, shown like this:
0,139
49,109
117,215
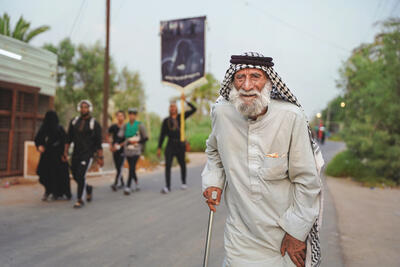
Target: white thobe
270,178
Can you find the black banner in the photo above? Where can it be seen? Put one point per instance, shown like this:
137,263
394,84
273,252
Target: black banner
183,51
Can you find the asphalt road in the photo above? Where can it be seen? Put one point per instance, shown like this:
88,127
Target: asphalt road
143,229
332,255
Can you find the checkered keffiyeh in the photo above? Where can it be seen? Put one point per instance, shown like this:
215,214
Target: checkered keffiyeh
279,88
279,91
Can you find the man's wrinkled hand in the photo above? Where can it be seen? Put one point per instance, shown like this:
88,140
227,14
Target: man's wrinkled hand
210,201
295,248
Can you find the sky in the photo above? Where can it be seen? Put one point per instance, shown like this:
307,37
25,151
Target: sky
308,40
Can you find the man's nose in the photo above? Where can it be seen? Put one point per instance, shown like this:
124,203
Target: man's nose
247,85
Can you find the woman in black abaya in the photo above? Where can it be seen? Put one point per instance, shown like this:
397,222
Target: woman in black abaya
53,172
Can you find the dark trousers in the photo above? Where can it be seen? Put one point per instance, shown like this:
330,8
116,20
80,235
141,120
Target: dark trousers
119,165
79,168
175,150
132,169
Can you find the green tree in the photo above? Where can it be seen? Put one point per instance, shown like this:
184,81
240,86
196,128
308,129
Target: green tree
130,92
21,30
371,83
80,76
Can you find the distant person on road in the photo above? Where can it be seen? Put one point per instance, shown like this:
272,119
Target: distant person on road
85,132
321,134
260,152
53,172
175,147
135,136
117,149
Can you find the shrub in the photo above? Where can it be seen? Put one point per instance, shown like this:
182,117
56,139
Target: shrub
346,164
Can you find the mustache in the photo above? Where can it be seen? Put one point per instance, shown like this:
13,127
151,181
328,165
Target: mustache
249,93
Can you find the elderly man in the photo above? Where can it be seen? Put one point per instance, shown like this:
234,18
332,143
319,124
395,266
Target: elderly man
260,152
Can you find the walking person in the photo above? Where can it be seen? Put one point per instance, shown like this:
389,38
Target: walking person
175,147
85,132
117,149
53,172
260,152
135,136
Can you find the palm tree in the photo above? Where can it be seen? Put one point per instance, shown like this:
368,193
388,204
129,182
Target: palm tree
21,30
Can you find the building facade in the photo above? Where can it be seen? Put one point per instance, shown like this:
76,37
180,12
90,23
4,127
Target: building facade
28,80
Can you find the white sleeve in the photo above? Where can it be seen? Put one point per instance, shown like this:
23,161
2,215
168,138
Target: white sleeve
213,173
300,216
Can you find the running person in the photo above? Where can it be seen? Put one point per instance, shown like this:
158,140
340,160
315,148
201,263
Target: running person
85,132
175,147
117,149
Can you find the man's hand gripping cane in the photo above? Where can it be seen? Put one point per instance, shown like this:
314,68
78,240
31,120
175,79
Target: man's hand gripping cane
212,201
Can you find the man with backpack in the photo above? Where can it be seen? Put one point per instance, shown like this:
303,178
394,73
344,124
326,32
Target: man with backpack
85,132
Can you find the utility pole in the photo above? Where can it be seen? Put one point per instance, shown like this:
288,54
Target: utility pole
106,72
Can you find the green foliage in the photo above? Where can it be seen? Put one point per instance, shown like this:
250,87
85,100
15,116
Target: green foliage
130,91
347,164
371,82
336,138
21,30
80,76
197,133
204,96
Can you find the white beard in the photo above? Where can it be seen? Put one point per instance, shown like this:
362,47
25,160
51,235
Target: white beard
256,106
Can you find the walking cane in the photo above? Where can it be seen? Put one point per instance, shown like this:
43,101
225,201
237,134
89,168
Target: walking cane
208,239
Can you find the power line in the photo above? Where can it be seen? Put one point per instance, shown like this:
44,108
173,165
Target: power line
394,7
312,35
76,18
377,11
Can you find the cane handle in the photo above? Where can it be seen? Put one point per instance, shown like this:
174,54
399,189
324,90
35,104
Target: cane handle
214,195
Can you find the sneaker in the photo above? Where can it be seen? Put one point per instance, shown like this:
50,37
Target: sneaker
127,191
183,186
165,190
89,193
113,187
121,186
79,204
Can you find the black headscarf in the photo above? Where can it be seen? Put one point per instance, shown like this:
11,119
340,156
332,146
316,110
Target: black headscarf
50,123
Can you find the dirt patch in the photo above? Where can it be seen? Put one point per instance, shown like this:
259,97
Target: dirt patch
369,223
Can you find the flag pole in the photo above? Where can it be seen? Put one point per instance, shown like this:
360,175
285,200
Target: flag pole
182,116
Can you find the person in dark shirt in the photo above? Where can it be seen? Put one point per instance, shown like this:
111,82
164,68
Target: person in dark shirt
53,173
85,132
175,147
117,149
